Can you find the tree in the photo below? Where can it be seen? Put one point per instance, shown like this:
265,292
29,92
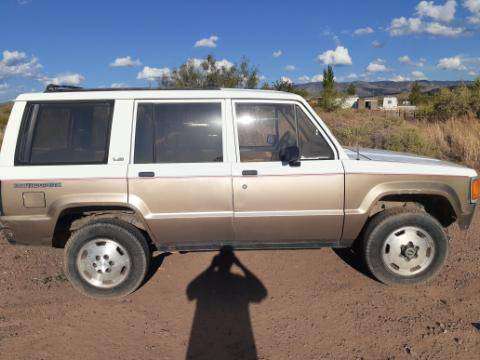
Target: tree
328,80
416,96
287,86
210,73
351,89
328,100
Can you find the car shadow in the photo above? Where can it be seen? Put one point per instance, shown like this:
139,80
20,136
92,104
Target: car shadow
222,327
155,263
354,260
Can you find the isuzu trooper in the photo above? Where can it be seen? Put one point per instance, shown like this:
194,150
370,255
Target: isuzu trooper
111,175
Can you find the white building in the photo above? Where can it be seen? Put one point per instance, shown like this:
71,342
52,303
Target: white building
390,103
350,102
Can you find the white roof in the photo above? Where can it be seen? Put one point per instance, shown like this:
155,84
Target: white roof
159,94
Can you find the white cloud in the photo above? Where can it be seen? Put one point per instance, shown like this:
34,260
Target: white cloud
223,64
377,44
13,57
474,7
364,31
352,76
445,12
419,75
377,65
290,68
152,74
472,73
403,26
118,85
72,79
16,63
277,53
339,56
304,79
405,60
286,79
314,78
126,61
437,29
210,42
3,87
197,63
399,78
452,63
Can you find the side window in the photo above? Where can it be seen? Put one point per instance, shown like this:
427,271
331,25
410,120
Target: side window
311,142
265,129
178,133
65,133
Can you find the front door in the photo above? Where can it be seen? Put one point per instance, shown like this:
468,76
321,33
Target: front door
179,178
277,204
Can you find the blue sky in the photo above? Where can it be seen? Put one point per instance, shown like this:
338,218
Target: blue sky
79,42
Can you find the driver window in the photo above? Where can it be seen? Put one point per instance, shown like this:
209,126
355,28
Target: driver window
265,129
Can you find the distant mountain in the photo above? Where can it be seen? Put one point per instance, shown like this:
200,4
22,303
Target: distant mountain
382,88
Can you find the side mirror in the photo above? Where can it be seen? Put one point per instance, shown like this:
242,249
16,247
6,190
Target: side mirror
290,155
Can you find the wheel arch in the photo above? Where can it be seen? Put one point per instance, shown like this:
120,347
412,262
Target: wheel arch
427,194
74,216
437,199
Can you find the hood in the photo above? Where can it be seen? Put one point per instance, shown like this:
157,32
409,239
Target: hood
392,156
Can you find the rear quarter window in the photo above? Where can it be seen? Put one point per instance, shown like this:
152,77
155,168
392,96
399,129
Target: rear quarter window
65,133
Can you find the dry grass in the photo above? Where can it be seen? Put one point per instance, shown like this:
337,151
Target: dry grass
4,114
457,140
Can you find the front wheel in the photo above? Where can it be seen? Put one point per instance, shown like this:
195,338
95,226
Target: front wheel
403,246
107,258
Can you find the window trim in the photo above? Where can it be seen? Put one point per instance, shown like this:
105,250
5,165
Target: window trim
28,127
220,101
307,113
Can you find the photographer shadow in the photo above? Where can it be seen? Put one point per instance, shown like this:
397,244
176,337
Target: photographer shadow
221,327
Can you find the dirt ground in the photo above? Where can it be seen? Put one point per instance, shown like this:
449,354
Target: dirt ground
307,304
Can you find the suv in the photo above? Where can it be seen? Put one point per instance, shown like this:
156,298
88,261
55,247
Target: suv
111,175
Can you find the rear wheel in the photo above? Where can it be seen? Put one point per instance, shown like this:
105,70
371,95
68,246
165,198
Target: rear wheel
402,246
107,258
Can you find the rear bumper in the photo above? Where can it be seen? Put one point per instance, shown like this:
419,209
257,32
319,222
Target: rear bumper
21,231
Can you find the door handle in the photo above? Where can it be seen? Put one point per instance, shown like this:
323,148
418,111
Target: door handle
146,174
249,172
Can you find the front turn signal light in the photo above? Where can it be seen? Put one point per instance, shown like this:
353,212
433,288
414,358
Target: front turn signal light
475,190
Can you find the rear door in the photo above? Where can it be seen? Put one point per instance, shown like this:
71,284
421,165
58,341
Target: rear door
277,204
179,177
68,153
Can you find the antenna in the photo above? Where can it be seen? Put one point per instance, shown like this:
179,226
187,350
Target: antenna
358,146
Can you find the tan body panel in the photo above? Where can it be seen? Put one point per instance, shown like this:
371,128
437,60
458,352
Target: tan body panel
288,208
189,210
363,191
36,225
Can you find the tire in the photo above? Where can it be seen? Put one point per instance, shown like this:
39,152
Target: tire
107,258
404,246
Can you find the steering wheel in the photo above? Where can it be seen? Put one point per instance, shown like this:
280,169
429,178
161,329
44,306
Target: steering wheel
285,141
